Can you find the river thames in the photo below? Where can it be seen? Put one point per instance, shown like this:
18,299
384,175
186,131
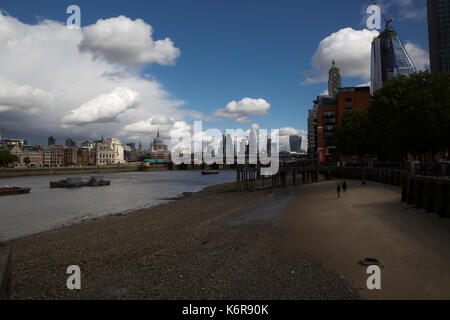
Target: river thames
46,209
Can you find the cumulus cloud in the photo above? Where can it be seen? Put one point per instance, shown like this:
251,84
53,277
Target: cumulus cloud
45,78
22,97
104,108
351,49
126,41
420,57
240,111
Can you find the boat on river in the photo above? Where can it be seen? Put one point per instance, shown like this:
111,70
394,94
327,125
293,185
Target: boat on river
94,181
7,191
210,172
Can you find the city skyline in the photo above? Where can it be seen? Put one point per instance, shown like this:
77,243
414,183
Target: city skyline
174,76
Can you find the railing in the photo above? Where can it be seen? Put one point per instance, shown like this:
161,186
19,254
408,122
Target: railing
433,169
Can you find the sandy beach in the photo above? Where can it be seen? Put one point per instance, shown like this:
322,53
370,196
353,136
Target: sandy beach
216,244
296,243
413,246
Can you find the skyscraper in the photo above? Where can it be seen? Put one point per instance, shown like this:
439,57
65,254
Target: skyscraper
334,80
439,35
389,59
51,141
295,143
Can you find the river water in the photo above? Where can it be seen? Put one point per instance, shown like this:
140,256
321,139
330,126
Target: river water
45,209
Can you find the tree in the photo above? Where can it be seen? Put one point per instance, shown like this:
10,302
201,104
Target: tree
27,161
6,158
353,136
411,115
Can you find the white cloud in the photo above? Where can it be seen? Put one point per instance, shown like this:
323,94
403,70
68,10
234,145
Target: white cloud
420,57
240,111
151,125
104,108
22,97
351,49
122,40
44,77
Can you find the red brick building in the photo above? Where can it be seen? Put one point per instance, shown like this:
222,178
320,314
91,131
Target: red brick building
329,115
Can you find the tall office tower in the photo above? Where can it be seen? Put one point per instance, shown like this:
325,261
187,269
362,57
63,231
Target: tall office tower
389,59
295,143
439,35
334,80
51,141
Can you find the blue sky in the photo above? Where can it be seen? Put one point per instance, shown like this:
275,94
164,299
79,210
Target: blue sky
230,50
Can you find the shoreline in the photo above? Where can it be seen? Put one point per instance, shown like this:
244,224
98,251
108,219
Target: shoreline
31,172
212,244
214,188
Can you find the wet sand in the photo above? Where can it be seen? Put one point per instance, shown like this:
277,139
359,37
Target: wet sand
216,244
370,222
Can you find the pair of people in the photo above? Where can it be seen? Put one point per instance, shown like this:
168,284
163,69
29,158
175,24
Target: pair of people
342,186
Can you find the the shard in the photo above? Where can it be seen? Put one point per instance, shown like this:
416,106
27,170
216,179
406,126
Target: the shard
389,59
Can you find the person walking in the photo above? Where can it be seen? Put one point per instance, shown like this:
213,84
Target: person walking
338,189
344,186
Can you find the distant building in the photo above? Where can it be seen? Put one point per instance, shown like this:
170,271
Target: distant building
158,150
132,146
85,157
334,80
35,156
53,156
109,152
312,132
70,156
70,143
295,143
389,59
51,141
439,35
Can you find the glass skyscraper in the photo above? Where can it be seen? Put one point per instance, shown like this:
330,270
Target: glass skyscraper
439,35
389,59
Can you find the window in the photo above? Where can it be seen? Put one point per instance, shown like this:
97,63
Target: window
348,103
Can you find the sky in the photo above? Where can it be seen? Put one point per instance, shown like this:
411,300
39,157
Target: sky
136,67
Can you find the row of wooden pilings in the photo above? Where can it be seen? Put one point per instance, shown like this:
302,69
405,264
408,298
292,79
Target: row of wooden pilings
249,178
431,194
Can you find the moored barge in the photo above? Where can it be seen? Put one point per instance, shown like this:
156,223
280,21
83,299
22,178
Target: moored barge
6,191
80,182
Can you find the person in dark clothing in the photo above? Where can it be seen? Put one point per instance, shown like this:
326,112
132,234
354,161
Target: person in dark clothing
344,186
338,189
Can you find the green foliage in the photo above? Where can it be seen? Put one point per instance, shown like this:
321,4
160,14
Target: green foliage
7,158
353,136
409,115
27,161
